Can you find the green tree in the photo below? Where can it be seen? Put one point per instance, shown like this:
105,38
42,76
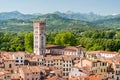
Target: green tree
65,39
119,51
28,42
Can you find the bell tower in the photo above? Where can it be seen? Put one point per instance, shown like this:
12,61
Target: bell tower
39,37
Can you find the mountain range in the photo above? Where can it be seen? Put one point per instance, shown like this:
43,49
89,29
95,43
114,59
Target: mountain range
16,21
15,15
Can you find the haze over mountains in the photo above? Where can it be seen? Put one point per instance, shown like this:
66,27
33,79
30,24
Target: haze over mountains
17,21
69,14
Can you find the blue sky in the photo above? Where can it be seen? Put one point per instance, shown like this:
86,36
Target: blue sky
103,7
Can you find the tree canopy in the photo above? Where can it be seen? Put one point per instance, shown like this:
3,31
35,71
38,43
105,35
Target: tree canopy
92,40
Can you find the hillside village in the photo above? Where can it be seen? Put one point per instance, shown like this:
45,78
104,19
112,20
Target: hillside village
54,62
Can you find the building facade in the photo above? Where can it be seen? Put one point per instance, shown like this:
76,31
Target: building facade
76,72
39,37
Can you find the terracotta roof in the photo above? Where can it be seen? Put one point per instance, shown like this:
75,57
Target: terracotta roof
115,59
53,78
54,47
3,53
15,76
105,52
95,77
8,69
34,69
93,52
25,69
73,78
6,56
62,47
72,56
38,57
76,61
31,60
44,67
78,78
58,71
70,48
2,72
52,69
30,69
67,58
16,67
57,57
49,58
1,59
19,54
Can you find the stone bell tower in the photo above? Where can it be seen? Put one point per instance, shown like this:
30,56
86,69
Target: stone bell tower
39,37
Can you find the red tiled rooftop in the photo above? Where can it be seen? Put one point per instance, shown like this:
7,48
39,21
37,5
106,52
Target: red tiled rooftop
95,77
105,52
70,48
57,57
62,47
19,53
38,57
2,72
15,76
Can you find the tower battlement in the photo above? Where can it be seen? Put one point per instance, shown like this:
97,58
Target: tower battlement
40,21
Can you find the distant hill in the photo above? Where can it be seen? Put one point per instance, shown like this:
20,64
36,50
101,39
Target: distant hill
54,23
90,17
15,15
15,25
80,16
57,21
107,22
112,23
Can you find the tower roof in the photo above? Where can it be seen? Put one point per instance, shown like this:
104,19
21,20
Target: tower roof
40,21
